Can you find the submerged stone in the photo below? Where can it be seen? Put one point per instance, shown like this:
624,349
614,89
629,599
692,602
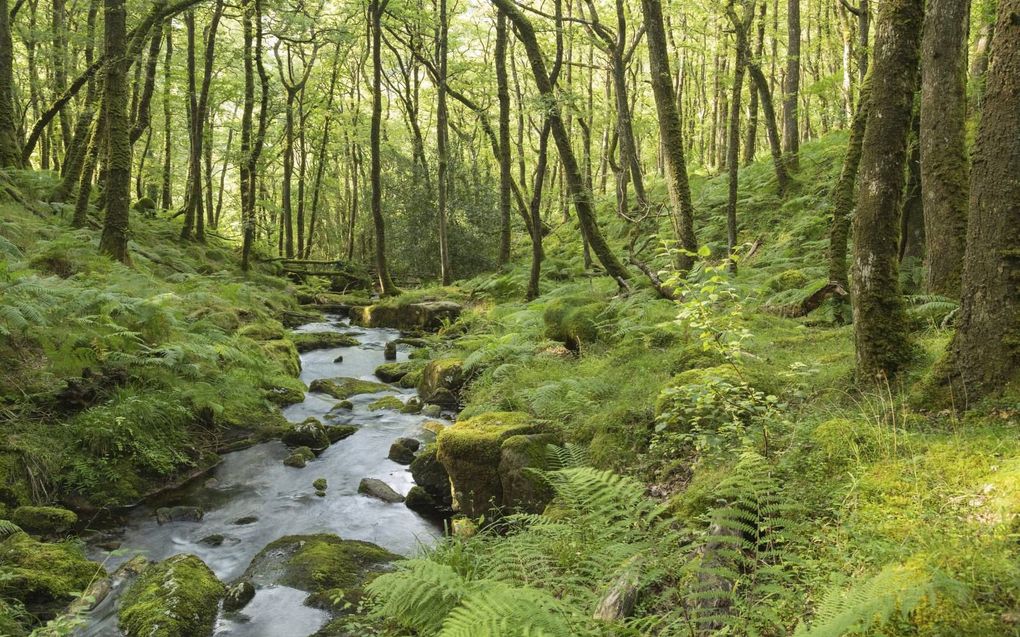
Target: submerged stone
238,595
165,515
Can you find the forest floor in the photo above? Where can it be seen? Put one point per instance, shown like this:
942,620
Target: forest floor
885,509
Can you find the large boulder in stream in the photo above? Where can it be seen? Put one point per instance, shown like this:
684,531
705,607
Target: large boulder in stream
177,597
308,341
472,452
375,488
427,315
328,567
393,372
310,433
343,387
441,381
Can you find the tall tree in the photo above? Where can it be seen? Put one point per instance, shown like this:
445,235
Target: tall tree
505,166
375,11
10,137
671,131
114,240
741,27
791,92
442,143
944,170
880,324
986,347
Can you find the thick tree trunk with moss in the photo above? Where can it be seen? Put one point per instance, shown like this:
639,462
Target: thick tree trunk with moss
583,200
442,150
386,285
671,131
986,348
842,196
944,170
880,324
114,239
10,138
166,196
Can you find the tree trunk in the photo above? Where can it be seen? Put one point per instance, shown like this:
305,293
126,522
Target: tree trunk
986,347
842,196
944,170
741,26
505,166
166,197
10,138
114,240
880,325
247,172
791,92
442,152
386,286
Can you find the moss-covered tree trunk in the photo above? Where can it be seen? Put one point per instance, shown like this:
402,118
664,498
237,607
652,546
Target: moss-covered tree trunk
114,239
505,167
442,146
386,285
10,138
166,196
986,348
583,201
741,26
944,170
791,90
880,324
842,196
671,131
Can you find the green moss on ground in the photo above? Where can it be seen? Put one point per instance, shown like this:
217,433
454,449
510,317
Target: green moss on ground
44,576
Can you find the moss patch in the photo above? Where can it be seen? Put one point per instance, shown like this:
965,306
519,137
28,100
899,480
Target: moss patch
308,341
386,402
41,575
343,387
44,520
177,597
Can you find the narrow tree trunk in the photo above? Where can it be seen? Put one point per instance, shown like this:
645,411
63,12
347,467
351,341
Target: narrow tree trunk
842,196
880,326
986,347
166,197
386,286
944,170
741,26
442,152
505,166
791,92
247,172
671,132
114,239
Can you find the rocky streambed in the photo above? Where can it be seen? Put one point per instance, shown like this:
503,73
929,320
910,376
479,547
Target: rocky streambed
285,540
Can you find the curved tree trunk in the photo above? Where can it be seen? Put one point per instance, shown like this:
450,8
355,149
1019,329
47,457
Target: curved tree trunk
880,325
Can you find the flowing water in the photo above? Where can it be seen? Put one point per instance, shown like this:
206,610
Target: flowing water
252,499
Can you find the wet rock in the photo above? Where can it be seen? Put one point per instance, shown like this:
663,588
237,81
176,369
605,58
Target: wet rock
336,433
178,597
284,396
432,411
248,519
402,450
338,359
431,475
390,351
44,520
324,565
411,379
386,402
308,341
320,484
434,426
393,372
343,388
311,433
299,458
471,451
165,515
238,595
216,539
419,501
441,381
412,406
375,488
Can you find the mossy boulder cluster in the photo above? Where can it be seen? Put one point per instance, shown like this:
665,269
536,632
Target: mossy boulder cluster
43,576
427,315
487,457
431,494
310,433
343,387
327,566
308,341
403,449
177,597
441,382
393,372
574,321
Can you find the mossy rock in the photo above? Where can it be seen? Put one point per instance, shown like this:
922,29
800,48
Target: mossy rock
284,352
44,520
284,396
441,381
402,450
336,433
787,280
430,474
393,372
574,321
471,451
412,406
320,564
520,456
343,388
44,576
266,330
429,315
421,502
177,597
308,341
299,458
386,402
411,379
311,433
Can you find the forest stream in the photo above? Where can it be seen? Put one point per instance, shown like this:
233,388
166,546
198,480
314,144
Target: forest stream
252,499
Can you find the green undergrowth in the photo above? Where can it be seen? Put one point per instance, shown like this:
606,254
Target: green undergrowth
789,499
119,379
